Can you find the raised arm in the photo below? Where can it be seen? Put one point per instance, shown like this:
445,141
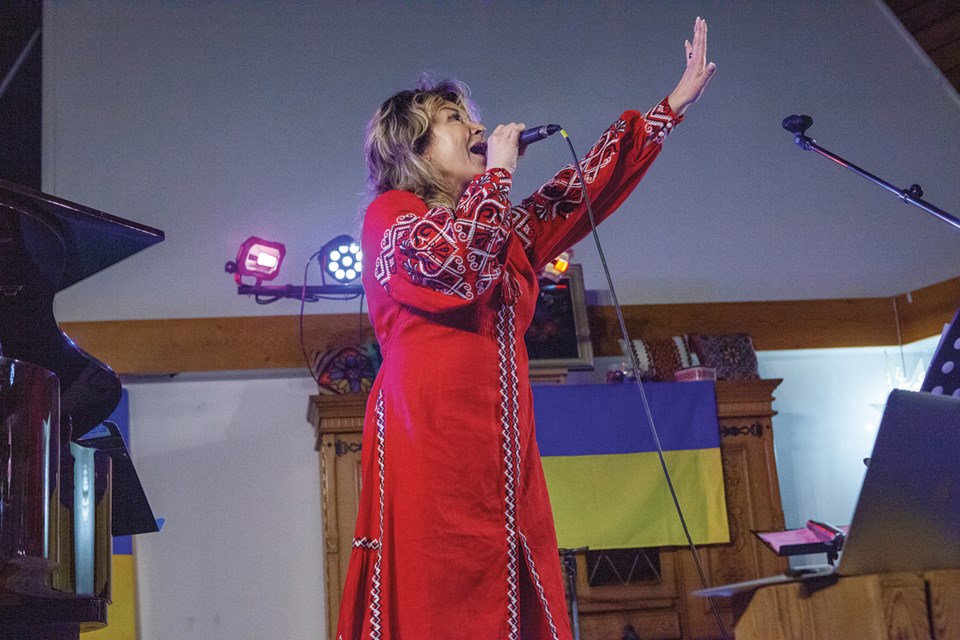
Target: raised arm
554,218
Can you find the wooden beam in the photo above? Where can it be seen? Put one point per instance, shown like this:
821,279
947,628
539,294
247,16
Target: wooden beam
797,324
924,312
273,342
212,344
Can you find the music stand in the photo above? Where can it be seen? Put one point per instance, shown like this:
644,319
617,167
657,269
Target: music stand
943,376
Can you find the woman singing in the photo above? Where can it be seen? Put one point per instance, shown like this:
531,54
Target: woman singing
454,536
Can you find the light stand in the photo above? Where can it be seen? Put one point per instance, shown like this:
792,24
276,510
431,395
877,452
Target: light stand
798,126
310,293
260,260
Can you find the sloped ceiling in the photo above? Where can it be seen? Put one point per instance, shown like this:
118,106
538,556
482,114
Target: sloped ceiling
935,24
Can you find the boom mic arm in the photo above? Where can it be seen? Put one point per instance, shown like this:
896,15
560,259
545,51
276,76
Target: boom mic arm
798,125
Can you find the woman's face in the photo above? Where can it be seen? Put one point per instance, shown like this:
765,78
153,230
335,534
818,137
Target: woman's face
456,148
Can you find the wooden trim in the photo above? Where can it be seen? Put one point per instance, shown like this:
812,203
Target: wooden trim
924,312
273,342
746,398
789,324
212,344
792,324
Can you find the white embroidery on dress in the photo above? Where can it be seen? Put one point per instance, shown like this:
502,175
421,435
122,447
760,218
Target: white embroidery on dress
366,543
563,194
375,625
437,249
385,265
660,121
508,415
539,586
522,226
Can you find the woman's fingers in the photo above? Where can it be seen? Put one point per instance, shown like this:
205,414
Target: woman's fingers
698,71
503,146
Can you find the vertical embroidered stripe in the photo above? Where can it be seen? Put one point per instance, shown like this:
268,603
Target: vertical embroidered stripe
513,392
507,419
375,623
539,586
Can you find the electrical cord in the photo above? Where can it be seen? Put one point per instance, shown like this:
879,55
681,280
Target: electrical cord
304,299
360,322
303,304
643,396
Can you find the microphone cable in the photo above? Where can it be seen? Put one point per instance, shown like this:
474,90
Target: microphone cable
303,304
635,365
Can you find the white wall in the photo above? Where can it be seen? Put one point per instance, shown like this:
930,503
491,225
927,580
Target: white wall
229,463
215,121
829,407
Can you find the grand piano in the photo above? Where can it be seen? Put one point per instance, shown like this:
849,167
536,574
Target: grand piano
67,484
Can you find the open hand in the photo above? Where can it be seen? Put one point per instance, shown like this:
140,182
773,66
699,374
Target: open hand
698,71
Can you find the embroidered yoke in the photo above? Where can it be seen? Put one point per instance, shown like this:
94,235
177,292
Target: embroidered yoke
454,536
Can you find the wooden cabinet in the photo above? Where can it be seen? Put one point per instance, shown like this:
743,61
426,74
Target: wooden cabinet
338,423
661,607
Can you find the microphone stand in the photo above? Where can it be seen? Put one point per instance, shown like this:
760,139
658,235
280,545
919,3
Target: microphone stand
570,564
798,126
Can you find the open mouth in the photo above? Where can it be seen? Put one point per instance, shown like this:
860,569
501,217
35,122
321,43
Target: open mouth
480,149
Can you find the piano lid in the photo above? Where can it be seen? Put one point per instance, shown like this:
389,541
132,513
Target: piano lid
93,240
46,245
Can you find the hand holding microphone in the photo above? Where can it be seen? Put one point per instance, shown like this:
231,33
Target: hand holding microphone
503,146
507,142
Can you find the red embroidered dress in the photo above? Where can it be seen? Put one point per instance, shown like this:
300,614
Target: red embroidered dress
455,536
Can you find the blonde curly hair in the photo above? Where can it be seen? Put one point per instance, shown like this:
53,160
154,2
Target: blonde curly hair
399,132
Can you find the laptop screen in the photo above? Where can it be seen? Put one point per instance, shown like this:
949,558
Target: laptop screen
907,517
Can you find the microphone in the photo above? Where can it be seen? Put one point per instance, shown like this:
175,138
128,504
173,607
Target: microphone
538,133
796,124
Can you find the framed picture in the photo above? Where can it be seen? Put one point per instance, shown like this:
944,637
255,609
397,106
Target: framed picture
559,335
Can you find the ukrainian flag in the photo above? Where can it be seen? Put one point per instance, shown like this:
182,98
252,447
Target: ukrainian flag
605,480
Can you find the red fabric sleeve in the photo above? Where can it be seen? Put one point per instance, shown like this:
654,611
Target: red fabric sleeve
555,217
440,259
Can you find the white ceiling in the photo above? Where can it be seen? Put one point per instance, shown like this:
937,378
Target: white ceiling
218,121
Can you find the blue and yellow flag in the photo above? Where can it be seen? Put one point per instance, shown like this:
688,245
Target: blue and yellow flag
606,483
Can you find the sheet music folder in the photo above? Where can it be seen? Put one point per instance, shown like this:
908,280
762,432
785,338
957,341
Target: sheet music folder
907,516
816,537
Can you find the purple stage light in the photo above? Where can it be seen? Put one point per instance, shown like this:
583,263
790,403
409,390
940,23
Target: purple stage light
259,258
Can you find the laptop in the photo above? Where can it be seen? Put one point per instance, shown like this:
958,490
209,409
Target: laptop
907,517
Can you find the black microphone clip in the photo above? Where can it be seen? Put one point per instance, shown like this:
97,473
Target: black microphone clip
798,125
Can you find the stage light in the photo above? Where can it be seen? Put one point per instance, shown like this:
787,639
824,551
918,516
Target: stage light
340,260
556,267
261,259
257,258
